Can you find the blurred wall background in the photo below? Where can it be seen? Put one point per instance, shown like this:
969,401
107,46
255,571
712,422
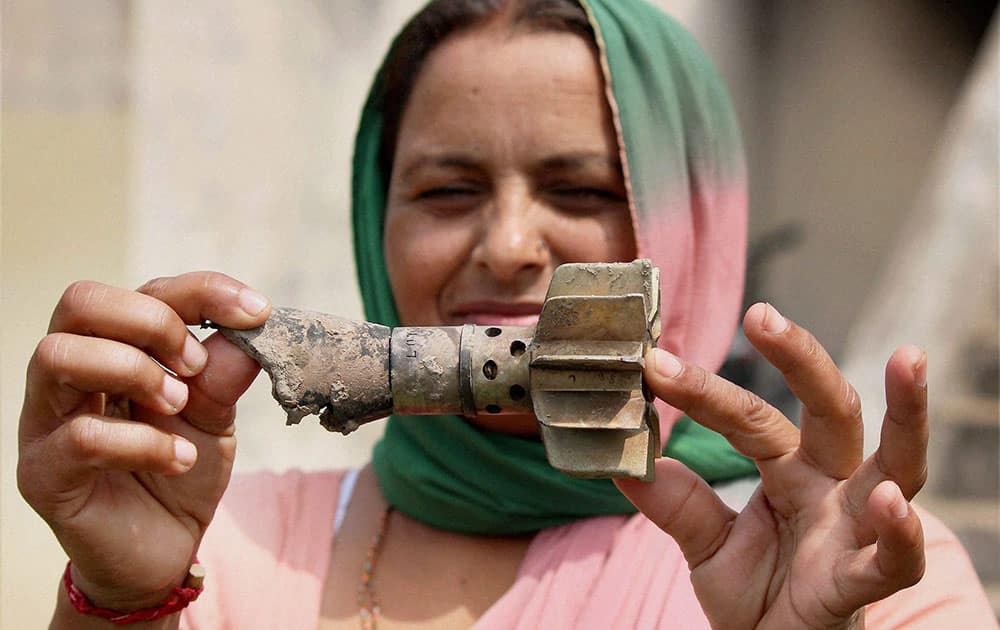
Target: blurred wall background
147,138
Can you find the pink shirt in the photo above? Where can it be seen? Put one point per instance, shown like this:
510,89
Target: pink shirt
268,548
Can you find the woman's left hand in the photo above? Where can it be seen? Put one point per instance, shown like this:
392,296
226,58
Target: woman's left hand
826,533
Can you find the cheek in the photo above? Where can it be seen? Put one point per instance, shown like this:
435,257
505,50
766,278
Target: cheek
603,238
421,255
620,238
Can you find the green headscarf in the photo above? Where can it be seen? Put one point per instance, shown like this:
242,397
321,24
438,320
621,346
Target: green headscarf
684,169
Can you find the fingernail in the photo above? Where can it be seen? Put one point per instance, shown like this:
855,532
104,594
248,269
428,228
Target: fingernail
194,355
773,322
920,371
899,508
174,392
185,452
252,302
666,364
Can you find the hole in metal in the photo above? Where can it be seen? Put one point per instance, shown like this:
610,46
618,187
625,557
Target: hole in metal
490,369
517,348
517,392
493,408
493,331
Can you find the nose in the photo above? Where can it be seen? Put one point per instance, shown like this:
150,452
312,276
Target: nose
512,241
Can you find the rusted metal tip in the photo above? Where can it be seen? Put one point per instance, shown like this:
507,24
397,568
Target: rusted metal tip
323,365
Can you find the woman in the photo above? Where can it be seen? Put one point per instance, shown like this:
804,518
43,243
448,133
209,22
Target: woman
500,139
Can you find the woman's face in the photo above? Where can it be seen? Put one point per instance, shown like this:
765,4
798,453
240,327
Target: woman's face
506,166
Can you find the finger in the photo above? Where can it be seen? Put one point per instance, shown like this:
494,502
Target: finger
65,369
896,561
832,429
752,426
900,547
902,453
684,506
99,310
213,393
903,444
202,295
69,458
102,443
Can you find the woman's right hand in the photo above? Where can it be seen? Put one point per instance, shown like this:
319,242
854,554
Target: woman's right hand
124,461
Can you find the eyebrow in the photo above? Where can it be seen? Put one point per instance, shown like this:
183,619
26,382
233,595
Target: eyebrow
559,162
579,161
450,160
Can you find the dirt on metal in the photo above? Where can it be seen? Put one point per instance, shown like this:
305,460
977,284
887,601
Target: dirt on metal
579,371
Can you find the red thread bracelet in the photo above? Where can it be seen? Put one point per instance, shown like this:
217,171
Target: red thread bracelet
178,599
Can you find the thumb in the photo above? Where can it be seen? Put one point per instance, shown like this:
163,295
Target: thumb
684,506
212,393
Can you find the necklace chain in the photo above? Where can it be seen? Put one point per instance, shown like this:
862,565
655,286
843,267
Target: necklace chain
367,598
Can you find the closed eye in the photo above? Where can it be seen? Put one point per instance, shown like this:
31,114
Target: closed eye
445,192
588,193
448,200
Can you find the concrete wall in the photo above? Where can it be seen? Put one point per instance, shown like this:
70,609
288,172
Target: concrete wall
65,157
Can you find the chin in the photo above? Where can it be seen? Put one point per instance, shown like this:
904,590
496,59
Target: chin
525,425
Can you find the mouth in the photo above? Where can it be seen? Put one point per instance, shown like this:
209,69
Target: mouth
497,313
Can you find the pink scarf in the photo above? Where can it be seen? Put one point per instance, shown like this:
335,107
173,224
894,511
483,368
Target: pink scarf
268,550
